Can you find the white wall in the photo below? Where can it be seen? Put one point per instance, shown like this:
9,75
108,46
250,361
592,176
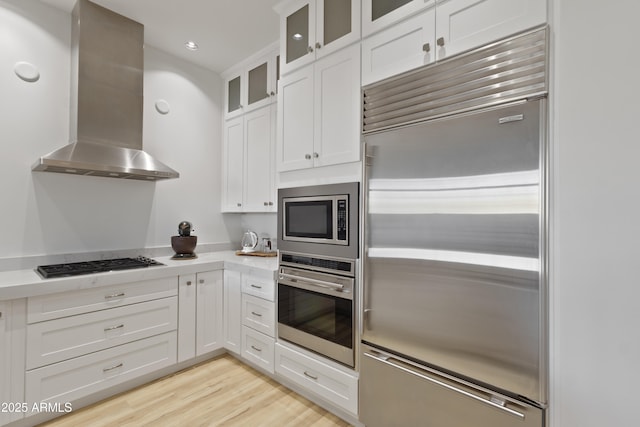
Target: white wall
595,281
47,213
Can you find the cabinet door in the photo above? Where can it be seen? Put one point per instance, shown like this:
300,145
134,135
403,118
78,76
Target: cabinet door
234,96
297,34
379,14
186,317
233,165
295,120
337,25
260,78
259,154
232,322
464,24
209,312
402,47
337,108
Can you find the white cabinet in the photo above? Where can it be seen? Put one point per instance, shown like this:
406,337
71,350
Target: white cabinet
257,317
5,369
464,24
252,84
330,381
379,14
81,342
448,28
232,324
75,378
200,314
319,113
249,157
311,29
401,47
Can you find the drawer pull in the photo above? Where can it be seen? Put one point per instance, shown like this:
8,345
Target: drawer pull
256,314
118,295
119,365
113,328
256,286
256,348
306,374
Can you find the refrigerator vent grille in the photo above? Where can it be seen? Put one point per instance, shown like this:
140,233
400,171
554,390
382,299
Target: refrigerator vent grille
508,70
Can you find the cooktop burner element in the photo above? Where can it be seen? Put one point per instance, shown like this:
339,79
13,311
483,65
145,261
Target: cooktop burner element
89,267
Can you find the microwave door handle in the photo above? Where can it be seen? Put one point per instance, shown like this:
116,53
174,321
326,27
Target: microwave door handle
315,282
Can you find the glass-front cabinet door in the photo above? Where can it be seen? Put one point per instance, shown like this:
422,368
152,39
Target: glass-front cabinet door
310,29
233,96
261,77
379,14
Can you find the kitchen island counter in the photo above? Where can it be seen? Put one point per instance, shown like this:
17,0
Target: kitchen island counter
26,283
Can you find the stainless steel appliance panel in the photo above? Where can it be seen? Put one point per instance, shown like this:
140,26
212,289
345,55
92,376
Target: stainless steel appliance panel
322,246
387,378
453,249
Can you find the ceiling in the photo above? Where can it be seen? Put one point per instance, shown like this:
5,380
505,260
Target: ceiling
226,31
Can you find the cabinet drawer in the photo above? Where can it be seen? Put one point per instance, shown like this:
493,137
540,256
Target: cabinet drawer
65,381
60,339
332,384
259,287
47,307
259,314
258,348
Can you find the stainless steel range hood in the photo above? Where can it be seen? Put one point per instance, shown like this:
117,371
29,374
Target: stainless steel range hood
107,71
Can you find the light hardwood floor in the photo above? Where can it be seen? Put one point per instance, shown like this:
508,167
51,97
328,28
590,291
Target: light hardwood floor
219,392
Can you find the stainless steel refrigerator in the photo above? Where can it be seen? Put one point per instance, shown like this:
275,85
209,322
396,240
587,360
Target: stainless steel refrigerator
454,295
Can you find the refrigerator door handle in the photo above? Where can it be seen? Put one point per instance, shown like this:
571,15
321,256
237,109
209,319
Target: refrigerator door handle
389,360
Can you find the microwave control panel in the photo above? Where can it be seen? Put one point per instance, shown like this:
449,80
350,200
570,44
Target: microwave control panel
342,219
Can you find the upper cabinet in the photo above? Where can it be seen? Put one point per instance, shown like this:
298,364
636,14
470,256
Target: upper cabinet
379,14
441,29
252,85
311,29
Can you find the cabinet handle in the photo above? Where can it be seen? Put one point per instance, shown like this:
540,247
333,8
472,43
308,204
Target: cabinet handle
256,314
273,93
316,155
119,365
307,156
266,203
309,49
440,41
318,45
121,294
310,376
256,286
256,348
239,204
188,282
270,203
201,281
113,328
426,47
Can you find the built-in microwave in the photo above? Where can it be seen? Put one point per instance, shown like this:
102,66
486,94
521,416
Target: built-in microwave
319,219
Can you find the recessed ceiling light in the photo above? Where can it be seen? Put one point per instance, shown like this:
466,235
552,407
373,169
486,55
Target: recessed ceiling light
191,45
297,36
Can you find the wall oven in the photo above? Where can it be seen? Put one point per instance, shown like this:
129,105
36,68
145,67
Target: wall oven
316,304
321,219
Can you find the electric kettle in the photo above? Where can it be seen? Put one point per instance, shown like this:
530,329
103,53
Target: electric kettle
249,241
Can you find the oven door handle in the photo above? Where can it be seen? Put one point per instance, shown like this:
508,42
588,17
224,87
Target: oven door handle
313,282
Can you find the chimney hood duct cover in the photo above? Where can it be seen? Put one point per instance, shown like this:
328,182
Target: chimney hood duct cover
107,72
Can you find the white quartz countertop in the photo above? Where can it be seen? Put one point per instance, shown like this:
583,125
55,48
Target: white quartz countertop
26,283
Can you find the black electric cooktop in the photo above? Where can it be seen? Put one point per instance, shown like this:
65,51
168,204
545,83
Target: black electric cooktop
89,267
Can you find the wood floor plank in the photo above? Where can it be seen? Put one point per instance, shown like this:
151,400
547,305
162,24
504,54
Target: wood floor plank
222,392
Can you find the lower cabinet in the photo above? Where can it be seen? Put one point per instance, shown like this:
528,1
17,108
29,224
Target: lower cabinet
333,383
5,351
258,348
200,314
232,325
74,378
